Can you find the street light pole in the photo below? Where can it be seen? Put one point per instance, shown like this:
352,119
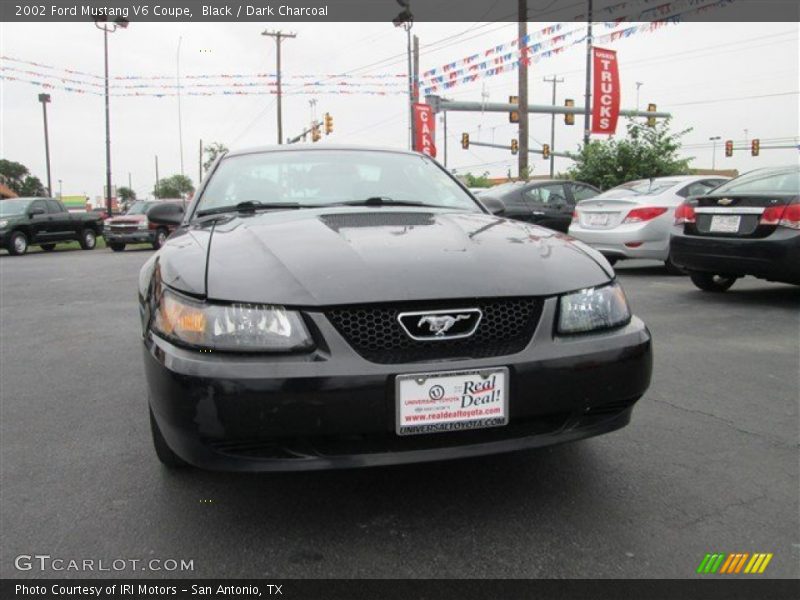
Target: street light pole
406,20
44,99
714,141
180,120
107,28
638,85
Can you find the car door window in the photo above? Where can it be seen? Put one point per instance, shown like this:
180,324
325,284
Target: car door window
550,195
697,188
40,204
583,192
53,207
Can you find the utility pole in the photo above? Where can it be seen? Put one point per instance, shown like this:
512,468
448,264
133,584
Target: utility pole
44,99
555,81
130,185
522,93
107,28
200,164
638,85
714,141
588,95
279,37
157,180
178,78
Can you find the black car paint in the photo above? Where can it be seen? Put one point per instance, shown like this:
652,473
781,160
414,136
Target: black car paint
764,251
54,224
330,407
520,206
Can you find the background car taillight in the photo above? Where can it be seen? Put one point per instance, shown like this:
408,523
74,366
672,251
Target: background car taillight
637,215
574,216
685,214
787,215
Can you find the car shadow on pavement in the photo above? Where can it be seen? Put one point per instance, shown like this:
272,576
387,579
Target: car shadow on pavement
771,295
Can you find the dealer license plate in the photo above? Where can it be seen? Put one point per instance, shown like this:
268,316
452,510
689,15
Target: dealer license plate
452,401
597,219
725,223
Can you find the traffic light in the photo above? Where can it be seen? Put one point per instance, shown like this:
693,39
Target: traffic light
315,134
729,148
755,147
514,146
651,121
569,119
545,150
465,141
328,124
513,116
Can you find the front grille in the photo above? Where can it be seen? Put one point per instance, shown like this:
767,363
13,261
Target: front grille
374,332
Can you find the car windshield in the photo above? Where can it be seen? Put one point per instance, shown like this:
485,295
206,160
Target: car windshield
327,177
139,208
786,181
14,206
640,187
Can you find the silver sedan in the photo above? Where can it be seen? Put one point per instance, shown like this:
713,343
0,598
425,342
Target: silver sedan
633,220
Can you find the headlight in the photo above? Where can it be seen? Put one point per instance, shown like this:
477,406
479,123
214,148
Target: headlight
3,223
231,327
593,309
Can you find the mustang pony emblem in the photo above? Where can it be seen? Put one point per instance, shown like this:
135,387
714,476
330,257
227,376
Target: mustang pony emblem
439,325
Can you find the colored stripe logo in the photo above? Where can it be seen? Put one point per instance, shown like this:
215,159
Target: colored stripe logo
734,563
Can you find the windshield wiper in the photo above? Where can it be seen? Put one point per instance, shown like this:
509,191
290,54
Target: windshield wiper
247,206
381,201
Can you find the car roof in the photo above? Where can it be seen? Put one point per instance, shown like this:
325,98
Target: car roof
306,148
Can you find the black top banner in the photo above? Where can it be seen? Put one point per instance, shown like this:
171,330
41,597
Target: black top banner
399,11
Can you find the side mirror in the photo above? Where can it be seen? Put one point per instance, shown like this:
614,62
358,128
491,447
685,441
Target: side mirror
36,211
492,204
164,215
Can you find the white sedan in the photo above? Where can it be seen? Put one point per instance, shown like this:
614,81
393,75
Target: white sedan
634,220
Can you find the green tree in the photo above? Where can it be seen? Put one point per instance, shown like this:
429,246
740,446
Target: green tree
31,186
126,194
644,153
478,181
175,186
19,179
212,151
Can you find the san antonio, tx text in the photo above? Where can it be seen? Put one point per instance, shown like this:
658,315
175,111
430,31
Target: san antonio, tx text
147,589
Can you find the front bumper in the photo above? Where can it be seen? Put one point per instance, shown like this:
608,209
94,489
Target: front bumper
653,237
334,409
140,236
776,257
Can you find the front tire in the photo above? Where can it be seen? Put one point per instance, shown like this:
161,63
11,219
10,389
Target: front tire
88,239
712,282
161,237
18,244
116,246
165,454
48,247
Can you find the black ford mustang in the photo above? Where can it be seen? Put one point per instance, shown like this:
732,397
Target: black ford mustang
346,307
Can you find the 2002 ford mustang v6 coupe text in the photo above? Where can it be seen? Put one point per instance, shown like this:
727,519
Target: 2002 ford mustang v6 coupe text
346,307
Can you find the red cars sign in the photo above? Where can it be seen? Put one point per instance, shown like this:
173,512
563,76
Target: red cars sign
605,110
424,130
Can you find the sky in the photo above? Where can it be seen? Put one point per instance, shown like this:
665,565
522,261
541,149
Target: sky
719,79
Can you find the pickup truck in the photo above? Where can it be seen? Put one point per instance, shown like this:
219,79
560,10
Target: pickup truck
44,222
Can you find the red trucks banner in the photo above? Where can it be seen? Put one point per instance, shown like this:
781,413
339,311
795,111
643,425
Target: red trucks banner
605,110
424,130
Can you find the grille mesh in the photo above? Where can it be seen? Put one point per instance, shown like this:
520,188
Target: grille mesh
374,332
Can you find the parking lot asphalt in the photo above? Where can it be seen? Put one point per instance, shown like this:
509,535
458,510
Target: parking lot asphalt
708,464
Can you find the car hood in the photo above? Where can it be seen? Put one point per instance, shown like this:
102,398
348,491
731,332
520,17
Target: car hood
351,255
